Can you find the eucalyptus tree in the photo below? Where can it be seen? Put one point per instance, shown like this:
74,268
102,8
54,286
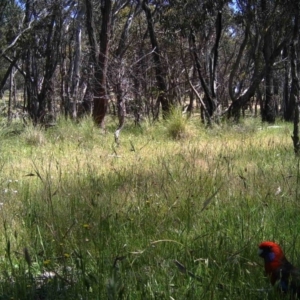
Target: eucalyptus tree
108,51
100,84
201,24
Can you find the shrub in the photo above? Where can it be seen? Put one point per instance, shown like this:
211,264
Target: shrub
176,124
34,135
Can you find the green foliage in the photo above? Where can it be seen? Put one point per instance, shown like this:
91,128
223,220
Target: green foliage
155,218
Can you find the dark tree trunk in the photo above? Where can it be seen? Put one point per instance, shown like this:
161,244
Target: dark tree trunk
30,71
160,76
100,90
268,111
52,53
88,98
213,62
294,95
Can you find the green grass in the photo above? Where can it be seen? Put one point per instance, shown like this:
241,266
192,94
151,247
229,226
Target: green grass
99,221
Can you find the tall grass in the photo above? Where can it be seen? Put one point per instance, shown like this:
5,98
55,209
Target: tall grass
84,219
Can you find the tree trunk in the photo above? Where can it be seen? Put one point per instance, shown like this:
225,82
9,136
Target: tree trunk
268,111
45,97
76,65
160,76
88,98
100,91
294,95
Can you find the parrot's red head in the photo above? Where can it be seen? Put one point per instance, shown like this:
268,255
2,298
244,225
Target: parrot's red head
273,257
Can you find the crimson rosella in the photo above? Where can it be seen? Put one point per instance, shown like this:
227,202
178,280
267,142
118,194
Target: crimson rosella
279,269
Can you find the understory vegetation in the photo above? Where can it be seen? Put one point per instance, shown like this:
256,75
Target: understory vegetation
166,214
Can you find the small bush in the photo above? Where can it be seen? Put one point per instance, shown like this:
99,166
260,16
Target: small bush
176,124
34,136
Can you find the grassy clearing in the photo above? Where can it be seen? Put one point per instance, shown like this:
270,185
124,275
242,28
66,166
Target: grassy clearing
84,219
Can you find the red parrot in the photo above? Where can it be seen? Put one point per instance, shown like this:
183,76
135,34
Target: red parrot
279,269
